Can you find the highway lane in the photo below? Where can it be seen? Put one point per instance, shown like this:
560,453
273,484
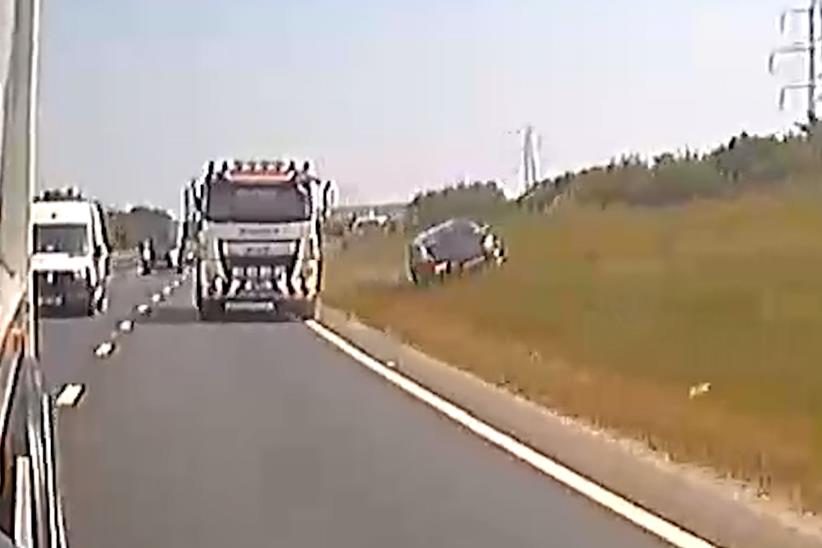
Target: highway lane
260,434
67,339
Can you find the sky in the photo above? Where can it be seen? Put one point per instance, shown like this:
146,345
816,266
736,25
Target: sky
388,96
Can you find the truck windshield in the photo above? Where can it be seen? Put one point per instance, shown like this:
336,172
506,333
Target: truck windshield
61,238
257,203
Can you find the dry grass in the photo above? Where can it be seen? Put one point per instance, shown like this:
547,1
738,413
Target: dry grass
614,314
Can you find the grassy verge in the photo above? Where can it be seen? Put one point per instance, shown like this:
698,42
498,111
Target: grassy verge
613,315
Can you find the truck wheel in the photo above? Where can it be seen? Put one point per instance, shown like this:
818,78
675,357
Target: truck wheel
197,285
308,310
210,310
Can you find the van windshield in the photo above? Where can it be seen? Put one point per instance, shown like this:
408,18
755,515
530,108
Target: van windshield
61,238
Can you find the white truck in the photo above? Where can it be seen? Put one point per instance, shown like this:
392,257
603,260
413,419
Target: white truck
70,253
259,240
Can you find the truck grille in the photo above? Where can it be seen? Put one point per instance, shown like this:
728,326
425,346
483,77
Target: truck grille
249,258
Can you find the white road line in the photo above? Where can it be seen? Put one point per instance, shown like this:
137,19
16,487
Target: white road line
126,326
23,527
51,480
8,390
70,395
104,349
621,506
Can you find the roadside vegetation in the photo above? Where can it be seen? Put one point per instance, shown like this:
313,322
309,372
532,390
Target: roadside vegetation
128,228
650,280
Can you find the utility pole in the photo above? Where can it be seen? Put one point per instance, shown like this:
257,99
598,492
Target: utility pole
809,48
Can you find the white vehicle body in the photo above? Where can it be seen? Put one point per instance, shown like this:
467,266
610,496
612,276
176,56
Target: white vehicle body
370,219
269,259
70,254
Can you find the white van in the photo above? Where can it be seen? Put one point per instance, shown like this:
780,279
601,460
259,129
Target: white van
70,254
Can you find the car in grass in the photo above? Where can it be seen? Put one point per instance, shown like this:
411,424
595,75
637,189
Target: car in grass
452,247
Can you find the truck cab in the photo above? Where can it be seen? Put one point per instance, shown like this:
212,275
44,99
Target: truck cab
259,241
70,254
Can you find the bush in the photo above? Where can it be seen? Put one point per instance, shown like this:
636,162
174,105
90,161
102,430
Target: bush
478,200
669,179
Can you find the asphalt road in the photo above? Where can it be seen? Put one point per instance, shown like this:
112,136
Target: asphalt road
260,434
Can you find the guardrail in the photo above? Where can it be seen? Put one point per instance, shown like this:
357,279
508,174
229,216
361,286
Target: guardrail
31,511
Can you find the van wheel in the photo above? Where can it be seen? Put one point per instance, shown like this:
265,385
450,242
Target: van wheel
92,306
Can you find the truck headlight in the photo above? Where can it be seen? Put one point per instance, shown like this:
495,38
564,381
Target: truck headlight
80,274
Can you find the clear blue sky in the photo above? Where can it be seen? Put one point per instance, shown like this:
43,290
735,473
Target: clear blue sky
391,96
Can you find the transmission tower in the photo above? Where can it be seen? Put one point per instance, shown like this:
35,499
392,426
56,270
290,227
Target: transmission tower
529,171
807,48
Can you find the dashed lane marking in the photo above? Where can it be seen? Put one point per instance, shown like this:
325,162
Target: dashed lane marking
70,395
645,519
104,350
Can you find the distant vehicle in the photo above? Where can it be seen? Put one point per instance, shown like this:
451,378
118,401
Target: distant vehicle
370,221
452,247
151,258
70,255
259,241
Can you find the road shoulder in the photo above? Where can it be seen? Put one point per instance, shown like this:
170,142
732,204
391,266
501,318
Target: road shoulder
723,511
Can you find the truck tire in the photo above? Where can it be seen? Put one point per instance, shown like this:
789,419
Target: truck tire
310,310
211,310
197,286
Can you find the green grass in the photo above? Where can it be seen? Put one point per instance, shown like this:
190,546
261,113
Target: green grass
612,314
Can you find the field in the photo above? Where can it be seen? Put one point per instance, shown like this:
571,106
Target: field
614,314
